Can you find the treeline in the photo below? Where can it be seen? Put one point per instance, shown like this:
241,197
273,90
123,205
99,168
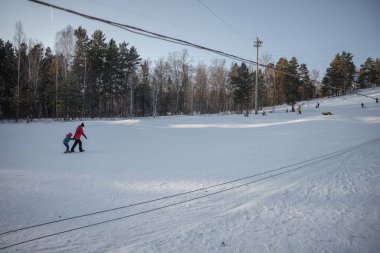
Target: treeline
342,76
90,77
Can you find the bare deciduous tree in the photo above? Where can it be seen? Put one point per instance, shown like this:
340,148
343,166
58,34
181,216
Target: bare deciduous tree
218,81
64,45
35,56
18,38
269,80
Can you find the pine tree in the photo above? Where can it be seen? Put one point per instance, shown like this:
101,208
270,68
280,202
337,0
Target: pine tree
292,83
8,82
81,69
377,70
306,89
280,79
143,91
340,76
47,86
129,60
367,74
241,81
96,56
110,78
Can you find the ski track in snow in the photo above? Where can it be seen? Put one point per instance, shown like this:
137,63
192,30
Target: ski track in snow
331,206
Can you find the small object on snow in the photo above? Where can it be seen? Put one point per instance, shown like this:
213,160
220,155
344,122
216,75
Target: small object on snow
223,244
327,113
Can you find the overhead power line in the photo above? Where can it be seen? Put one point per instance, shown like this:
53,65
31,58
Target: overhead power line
144,32
224,22
158,36
136,13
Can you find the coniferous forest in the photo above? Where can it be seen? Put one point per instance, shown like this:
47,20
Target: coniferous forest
88,76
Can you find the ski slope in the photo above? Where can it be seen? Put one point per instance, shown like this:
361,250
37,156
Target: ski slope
309,183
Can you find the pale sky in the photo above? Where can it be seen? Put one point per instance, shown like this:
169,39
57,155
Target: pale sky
313,31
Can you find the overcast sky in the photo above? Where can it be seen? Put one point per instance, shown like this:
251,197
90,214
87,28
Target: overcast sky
313,31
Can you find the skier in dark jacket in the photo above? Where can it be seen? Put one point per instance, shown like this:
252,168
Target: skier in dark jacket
78,133
66,141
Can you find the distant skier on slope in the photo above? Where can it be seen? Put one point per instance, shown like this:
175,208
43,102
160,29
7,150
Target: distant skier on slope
78,133
299,109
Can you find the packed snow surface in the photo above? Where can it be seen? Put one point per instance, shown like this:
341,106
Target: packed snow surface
309,183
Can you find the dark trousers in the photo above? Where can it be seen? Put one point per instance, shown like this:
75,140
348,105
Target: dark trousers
75,144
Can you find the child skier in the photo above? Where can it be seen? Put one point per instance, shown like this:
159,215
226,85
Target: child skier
299,109
66,141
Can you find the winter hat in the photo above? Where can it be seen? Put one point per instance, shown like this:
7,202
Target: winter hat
70,134
82,124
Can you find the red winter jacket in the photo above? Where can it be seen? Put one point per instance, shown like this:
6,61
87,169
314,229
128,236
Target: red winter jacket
78,133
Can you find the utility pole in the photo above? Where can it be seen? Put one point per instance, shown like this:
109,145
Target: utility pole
257,43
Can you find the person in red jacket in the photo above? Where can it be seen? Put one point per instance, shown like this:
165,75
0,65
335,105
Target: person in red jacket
78,133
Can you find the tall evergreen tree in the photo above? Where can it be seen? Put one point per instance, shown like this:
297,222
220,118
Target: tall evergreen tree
81,69
367,74
47,86
340,75
292,83
280,80
8,80
306,89
377,70
110,78
96,55
143,91
241,80
129,60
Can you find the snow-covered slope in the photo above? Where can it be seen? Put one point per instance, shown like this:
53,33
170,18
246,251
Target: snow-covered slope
319,195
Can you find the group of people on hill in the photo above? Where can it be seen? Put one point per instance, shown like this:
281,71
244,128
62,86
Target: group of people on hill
78,134
299,110
376,99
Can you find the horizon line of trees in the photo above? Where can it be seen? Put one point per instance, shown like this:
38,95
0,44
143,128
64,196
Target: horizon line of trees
88,77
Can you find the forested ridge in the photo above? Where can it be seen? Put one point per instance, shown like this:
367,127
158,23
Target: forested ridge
86,76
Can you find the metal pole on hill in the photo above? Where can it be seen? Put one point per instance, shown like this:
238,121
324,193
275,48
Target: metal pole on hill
257,44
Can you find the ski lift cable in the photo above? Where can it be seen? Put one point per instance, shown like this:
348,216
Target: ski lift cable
338,153
187,192
154,35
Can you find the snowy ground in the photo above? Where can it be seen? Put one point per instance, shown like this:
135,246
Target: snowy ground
330,204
